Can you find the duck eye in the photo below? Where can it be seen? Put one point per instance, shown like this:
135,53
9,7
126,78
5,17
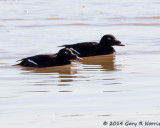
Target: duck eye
66,52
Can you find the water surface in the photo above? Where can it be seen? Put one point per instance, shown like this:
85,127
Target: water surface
124,86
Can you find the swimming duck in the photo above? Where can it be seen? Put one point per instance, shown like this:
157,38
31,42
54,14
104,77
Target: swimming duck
93,48
63,57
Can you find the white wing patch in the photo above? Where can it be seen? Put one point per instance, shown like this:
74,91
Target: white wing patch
75,51
31,61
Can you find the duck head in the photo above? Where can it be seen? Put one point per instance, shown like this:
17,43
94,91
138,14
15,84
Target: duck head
109,40
66,54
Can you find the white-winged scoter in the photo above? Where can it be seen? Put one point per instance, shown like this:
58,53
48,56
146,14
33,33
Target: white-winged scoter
63,57
93,48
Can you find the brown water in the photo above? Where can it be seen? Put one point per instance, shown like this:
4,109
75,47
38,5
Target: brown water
119,87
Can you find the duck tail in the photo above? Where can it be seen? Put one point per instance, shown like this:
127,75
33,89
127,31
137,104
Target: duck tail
19,60
17,65
62,46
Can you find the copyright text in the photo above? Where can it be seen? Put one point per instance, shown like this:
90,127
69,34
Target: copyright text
132,123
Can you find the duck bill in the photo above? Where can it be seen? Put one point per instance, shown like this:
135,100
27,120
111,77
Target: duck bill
121,45
78,58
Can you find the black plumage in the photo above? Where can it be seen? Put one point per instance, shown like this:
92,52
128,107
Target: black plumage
93,48
63,57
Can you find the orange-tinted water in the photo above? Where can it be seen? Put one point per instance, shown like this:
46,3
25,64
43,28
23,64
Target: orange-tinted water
119,87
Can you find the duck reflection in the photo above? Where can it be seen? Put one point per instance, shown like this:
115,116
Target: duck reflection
105,61
61,75
67,69
78,70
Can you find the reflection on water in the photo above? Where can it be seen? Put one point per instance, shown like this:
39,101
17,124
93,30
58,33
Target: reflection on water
105,61
58,69
76,72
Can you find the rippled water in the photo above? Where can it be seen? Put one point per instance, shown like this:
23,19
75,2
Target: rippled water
119,87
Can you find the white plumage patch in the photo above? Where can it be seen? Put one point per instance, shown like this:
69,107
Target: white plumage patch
75,51
31,61
109,38
66,52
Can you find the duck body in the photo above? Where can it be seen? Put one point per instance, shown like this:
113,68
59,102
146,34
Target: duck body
94,48
41,61
63,57
90,49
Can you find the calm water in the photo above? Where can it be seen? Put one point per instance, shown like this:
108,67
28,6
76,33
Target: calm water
119,87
